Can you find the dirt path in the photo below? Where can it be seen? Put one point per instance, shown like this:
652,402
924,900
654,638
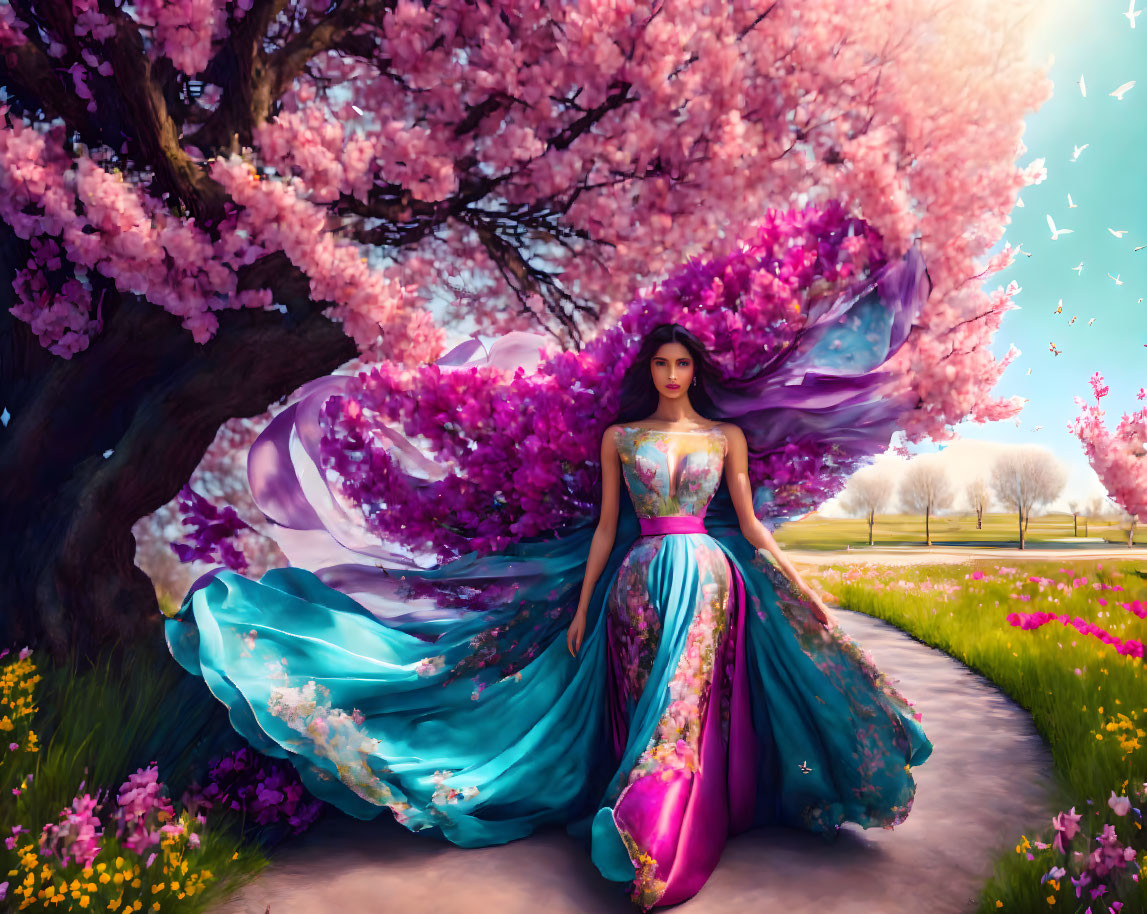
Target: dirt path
986,782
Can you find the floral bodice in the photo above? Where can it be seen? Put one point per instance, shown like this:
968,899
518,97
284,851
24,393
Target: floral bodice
670,472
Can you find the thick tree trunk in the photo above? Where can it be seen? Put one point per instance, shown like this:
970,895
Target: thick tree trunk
927,528
1021,518
871,521
146,391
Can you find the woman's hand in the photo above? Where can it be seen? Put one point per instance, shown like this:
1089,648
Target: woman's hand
819,610
576,631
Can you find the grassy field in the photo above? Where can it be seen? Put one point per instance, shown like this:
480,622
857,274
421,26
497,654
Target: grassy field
1080,674
831,533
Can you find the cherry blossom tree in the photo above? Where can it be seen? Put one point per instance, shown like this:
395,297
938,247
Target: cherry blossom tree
1118,457
207,204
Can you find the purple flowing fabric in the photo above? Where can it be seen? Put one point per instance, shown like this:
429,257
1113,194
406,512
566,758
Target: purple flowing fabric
309,524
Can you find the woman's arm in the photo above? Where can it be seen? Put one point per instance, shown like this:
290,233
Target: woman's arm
603,537
737,476
606,531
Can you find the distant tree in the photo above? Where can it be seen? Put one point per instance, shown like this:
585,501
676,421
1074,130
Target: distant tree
866,493
1024,478
978,499
925,489
1073,507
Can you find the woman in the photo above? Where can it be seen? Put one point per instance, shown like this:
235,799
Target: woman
693,758
706,695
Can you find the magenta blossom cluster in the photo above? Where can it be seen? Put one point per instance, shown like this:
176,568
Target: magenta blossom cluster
141,809
213,530
1030,621
520,453
267,791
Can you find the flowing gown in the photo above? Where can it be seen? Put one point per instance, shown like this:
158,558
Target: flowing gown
705,698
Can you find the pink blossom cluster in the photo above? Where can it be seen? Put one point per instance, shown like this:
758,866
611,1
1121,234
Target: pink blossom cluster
98,222
1119,458
184,31
141,808
1030,621
522,452
77,836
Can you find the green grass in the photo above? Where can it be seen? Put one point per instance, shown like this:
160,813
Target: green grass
830,533
944,607
96,728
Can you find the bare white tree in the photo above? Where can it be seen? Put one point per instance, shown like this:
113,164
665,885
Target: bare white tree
866,493
978,500
1026,477
925,489
1073,507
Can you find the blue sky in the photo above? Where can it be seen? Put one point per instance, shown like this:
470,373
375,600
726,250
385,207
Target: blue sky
1108,185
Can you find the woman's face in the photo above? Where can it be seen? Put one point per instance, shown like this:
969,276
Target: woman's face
672,369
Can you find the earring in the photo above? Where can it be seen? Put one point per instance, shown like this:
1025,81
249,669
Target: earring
694,380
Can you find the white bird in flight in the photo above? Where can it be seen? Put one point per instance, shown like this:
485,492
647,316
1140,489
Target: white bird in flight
1077,150
1123,90
1118,234
1141,247
1132,13
1078,269
1090,322
1055,233
1019,250
1071,205
1118,281
1082,86
1037,428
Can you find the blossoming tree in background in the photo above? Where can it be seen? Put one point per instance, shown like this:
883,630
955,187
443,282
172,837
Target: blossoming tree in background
1118,457
205,205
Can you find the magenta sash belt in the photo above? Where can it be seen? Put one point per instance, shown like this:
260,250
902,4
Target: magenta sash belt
671,523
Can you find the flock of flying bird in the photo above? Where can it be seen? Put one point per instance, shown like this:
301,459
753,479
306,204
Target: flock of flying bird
1056,232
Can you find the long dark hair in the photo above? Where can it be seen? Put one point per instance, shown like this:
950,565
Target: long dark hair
639,396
